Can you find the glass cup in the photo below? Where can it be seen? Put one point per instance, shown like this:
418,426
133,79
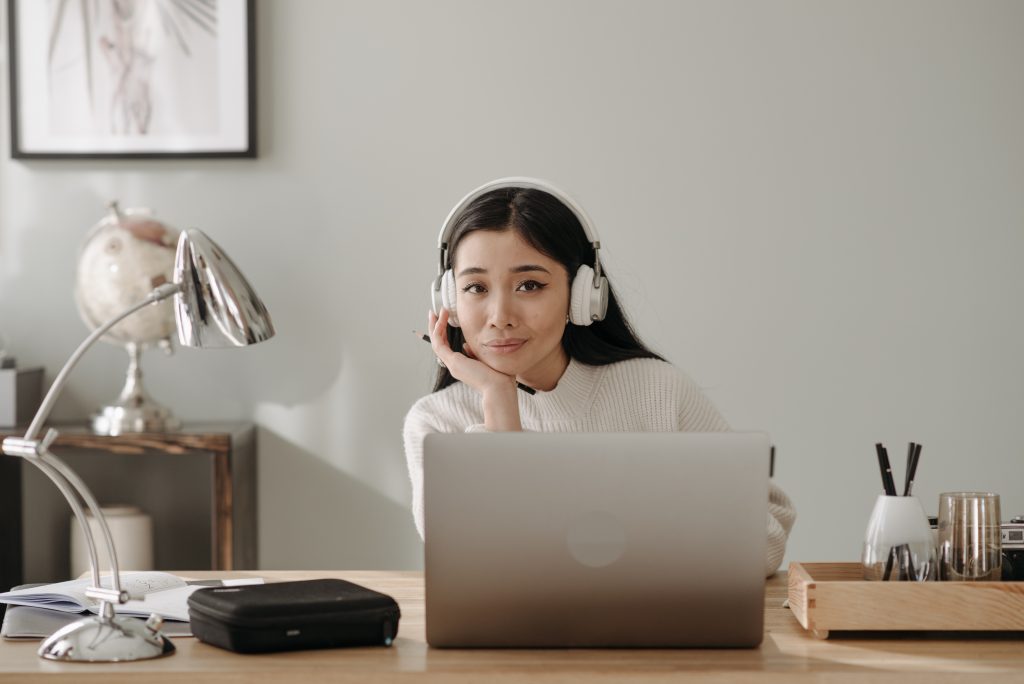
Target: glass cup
898,544
969,537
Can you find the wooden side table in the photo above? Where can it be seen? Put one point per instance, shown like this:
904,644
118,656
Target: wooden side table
199,485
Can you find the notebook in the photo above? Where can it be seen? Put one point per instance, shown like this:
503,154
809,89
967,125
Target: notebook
595,540
38,610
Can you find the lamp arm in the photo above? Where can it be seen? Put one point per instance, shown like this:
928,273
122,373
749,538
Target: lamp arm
158,294
68,491
117,595
70,485
73,488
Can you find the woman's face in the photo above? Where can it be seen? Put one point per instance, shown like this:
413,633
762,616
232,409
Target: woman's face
512,303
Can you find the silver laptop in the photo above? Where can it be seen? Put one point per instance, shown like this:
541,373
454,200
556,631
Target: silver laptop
595,540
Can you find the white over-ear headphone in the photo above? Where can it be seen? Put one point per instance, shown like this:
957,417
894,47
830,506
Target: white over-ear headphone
588,299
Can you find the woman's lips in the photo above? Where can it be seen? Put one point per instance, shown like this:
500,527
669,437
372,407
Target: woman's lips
505,346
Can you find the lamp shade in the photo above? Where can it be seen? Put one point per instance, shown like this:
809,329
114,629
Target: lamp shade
216,306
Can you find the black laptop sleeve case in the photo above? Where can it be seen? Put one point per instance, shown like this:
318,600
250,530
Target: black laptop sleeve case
285,616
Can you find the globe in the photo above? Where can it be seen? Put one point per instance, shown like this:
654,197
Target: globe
124,256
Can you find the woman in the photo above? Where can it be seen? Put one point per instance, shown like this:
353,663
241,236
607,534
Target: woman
526,312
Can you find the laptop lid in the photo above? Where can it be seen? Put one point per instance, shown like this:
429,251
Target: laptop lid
595,540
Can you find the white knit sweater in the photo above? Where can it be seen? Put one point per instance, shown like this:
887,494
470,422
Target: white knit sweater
639,395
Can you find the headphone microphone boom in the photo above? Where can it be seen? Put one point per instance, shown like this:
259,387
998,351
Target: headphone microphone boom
588,298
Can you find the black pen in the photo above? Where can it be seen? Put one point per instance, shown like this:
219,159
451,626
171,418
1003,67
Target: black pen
884,466
910,461
426,338
913,470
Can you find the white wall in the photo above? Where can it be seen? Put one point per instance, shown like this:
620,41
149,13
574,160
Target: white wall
815,208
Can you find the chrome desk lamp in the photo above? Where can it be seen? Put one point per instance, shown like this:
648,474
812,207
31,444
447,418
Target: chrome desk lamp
214,306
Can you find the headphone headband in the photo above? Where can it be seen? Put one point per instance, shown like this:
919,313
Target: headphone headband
517,182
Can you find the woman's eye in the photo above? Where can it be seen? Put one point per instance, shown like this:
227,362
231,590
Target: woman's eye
473,288
531,286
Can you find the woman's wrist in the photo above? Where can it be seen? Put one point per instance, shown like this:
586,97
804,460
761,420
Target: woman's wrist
501,407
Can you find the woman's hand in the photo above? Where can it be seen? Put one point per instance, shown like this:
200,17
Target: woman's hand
500,402
465,366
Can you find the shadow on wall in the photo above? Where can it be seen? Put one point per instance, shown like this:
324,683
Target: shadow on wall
315,517
304,358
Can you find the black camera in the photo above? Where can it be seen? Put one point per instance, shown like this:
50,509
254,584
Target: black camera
1013,549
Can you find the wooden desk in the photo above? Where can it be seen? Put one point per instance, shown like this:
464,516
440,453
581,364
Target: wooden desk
788,654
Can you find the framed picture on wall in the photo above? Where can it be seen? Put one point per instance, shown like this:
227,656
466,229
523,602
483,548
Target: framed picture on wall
131,78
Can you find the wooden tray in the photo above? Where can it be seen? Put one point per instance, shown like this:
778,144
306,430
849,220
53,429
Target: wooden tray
827,597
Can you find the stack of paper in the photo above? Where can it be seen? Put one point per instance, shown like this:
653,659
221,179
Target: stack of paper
43,609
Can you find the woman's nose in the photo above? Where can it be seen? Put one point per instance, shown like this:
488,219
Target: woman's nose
502,313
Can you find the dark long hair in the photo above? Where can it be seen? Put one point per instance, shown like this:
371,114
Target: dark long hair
551,228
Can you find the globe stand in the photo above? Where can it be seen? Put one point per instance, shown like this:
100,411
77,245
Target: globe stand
134,410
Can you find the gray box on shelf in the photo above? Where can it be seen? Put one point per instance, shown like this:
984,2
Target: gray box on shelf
21,391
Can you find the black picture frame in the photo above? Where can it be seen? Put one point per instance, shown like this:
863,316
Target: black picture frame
223,126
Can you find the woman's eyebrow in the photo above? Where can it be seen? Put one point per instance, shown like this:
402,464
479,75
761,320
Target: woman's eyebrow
524,268
472,270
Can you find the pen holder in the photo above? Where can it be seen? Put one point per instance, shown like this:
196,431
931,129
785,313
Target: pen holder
898,544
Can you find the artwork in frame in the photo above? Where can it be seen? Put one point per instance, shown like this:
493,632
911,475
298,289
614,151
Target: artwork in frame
132,78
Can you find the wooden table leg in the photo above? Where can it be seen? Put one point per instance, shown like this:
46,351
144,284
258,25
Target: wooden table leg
223,528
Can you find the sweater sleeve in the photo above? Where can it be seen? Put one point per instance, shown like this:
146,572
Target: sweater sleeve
698,414
418,425
781,516
420,422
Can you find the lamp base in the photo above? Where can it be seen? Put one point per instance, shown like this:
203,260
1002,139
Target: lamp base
107,640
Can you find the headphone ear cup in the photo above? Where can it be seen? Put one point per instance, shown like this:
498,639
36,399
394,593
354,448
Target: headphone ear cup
435,295
599,300
587,303
448,297
579,297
